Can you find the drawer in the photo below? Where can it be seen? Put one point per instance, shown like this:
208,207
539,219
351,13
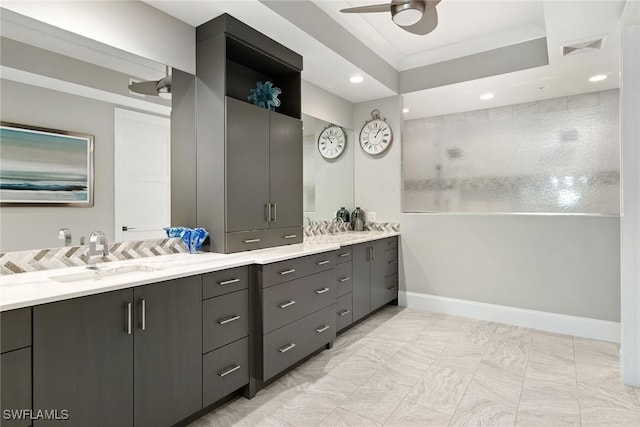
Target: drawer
246,240
390,259
225,371
391,242
388,291
285,236
344,278
286,346
343,311
15,329
16,383
343,254
288,302
282,271
224,282
224,319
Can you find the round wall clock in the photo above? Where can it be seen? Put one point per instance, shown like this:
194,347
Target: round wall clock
331,142
376,134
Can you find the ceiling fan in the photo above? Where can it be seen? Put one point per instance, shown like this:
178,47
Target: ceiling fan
160,87
415,16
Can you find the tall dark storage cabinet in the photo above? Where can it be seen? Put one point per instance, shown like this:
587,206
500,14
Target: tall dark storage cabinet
249,159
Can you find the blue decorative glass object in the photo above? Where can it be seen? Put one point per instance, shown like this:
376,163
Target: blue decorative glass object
193,238
265,95
173,231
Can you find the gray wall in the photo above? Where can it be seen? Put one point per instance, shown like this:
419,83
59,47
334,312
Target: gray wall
37,227
560,264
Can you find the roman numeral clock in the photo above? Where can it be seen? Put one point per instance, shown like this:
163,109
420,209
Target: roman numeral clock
376,135
331,142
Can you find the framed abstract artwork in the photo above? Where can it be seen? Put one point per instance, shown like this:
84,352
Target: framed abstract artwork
45,167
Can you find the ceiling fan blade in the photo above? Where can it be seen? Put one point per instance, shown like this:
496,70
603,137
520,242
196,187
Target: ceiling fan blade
145,88
164,82
425,25
368,9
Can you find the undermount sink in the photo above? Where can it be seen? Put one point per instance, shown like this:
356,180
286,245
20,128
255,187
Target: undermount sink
104,272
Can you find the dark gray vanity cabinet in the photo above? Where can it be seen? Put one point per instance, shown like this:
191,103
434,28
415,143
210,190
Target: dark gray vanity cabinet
15,366
122,358
375,275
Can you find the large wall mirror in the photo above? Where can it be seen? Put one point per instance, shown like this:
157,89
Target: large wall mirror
327,182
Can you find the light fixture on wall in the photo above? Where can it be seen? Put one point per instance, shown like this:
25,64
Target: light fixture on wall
598,78
356,78
487,96
161,88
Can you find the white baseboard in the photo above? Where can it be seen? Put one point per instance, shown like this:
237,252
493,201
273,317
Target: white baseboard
552,322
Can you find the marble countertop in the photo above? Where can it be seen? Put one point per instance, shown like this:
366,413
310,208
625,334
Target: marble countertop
40,287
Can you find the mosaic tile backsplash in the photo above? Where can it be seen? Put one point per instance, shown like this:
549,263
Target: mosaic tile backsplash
324,227
74,256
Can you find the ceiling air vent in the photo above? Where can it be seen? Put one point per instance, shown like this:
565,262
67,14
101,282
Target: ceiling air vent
583,46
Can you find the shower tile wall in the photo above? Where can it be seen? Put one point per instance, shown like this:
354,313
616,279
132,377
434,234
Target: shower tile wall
558,155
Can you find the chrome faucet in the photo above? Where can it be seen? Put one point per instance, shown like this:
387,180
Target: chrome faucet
335,225
65,234
97,246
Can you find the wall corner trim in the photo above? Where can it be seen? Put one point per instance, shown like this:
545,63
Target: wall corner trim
551,322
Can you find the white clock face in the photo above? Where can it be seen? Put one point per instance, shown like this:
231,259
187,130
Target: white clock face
331,142
376,136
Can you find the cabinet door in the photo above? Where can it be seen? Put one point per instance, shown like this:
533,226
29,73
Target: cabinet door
168,351
83,360
247,166
15,367
285,160
382,291
361,276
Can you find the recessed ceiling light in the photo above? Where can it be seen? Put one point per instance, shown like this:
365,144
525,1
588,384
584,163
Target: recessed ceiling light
598,78
356,78
487,96
405,110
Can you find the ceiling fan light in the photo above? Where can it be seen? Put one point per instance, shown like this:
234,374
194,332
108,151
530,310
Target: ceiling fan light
407,14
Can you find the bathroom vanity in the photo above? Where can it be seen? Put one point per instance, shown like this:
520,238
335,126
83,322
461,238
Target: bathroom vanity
189,329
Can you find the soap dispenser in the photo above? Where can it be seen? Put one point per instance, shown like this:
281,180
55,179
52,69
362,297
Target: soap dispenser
358,219
343,214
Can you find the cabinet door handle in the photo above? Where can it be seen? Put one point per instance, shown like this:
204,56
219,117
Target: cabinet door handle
128,328
286,348
286,304
274,217
290,236
251,240
325,262
291,270
229,371
344,312
267,212
392,287
228,282
143,314
373,253
322,291
393,261
344,279
322,329
228,319
344,254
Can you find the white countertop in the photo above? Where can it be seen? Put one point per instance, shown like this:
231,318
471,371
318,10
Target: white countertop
28,289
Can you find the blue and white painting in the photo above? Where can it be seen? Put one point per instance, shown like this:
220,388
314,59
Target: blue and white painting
40,166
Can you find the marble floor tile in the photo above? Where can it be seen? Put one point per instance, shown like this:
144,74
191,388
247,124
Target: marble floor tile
309,408
441,388
476,410
343,418
509,332
356,368
600,406
554,345
378,350
497,383
412,415
377,398
407,366
510,353
461,355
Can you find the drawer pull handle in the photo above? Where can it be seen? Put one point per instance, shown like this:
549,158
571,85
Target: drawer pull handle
344,312
344,254
251,240
284,273
128,318
286,348
326,261
344,279
228,371
392,287
322,329
228,282
393,261
322,291
228,319
286,304
290,236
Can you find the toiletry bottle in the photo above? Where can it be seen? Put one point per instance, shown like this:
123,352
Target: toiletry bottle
343,214
358,219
